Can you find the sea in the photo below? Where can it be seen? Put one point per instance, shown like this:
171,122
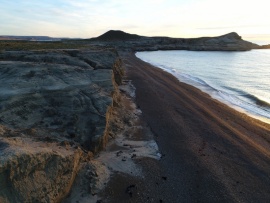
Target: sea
240,79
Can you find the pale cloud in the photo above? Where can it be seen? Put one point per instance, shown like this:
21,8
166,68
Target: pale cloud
176,18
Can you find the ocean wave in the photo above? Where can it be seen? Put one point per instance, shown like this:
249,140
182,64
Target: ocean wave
232,96
258,101
251,107
256,106
253,98
195,79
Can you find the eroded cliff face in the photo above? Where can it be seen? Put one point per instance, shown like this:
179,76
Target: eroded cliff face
60,95
33,171
55,112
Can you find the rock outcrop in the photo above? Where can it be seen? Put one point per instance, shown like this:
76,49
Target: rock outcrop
228,42
35,171
62,95
55,112
267,46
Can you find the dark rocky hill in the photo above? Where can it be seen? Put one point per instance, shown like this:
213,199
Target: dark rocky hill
113,35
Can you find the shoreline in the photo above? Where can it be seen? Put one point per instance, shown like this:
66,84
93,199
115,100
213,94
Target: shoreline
168,142
210,152
213,93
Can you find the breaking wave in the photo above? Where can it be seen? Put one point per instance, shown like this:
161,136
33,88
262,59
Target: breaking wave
235,91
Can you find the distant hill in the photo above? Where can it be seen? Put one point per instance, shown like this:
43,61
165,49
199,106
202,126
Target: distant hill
29,38
114,35
228,42
267,46
122,40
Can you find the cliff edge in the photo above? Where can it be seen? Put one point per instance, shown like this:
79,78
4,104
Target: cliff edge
55,113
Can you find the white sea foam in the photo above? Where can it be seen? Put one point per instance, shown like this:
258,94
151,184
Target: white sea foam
238,79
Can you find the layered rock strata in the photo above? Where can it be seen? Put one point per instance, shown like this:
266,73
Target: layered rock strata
34,171
60,95
55,112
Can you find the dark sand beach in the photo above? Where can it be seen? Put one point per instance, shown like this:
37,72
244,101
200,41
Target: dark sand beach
210,152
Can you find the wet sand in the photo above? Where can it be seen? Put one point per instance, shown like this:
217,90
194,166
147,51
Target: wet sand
211,153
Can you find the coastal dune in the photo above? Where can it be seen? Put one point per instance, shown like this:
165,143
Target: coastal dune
210,152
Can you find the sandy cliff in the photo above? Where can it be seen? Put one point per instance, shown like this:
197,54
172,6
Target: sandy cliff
35,171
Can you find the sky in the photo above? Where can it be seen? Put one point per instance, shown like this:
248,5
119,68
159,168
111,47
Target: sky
173,18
